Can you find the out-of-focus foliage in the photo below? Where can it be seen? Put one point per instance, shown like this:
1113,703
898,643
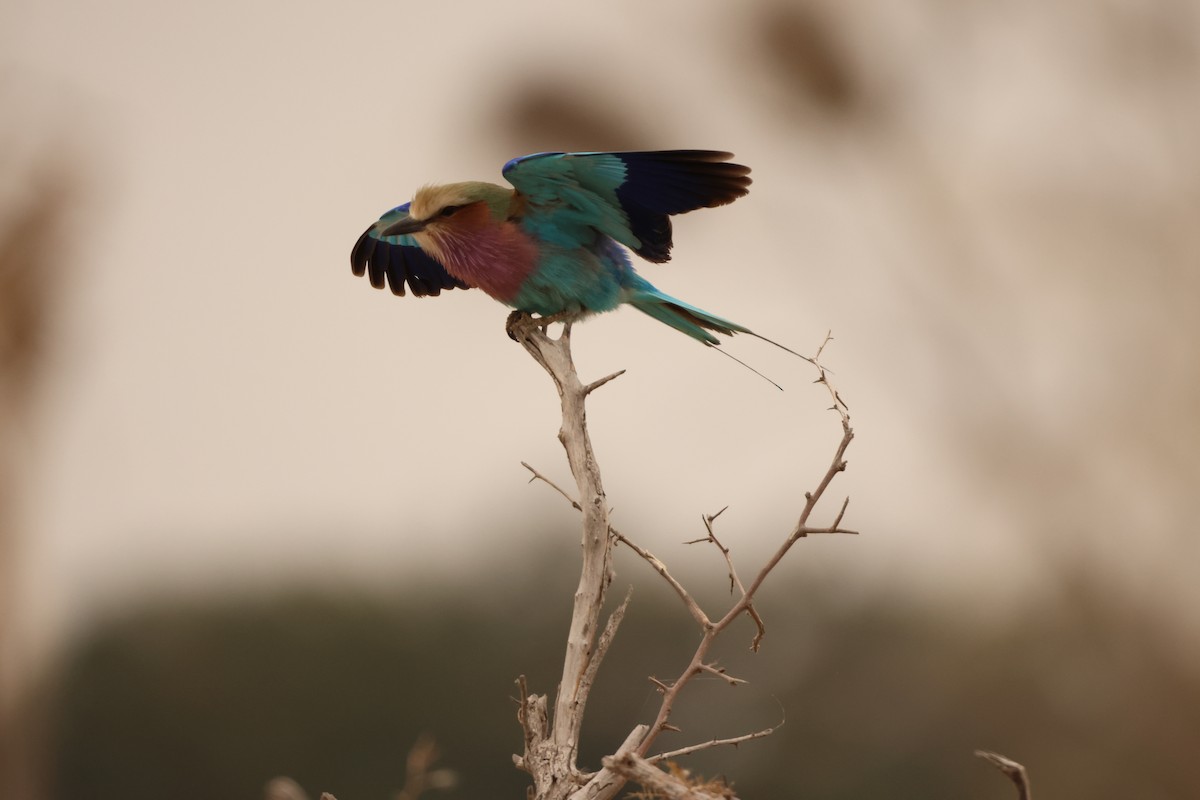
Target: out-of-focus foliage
212,699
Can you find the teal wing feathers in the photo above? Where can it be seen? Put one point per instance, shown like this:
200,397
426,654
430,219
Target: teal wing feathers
628,196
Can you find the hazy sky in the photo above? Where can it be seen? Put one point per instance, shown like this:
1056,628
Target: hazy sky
1000,235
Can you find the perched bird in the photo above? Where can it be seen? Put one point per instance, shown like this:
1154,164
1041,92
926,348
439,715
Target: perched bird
555,243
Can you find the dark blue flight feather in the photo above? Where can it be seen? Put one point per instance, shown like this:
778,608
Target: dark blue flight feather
399,260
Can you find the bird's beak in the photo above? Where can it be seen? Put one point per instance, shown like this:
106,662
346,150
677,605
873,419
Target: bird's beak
406,225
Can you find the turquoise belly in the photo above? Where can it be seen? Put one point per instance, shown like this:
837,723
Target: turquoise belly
571,280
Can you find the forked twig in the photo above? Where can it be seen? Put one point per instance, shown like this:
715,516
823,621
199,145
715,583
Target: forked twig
734,581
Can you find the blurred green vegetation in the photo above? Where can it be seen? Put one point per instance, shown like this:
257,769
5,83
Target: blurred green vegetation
193,698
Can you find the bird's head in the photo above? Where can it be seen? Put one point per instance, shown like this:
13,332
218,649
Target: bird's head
441,208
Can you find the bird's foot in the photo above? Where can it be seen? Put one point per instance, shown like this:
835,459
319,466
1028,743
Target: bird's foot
522,321
566,317
518,322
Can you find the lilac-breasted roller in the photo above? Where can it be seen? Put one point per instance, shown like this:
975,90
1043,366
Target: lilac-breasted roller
555,243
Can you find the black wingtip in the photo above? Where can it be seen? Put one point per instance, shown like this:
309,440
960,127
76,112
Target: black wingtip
360,253
659,184
392,265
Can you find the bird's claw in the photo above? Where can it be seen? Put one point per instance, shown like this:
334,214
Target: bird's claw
517,321
522,321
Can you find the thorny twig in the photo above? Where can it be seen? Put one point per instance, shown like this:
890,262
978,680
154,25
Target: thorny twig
695,748
734,581
745,604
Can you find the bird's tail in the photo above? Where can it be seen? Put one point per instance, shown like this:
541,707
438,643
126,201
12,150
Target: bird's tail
695,322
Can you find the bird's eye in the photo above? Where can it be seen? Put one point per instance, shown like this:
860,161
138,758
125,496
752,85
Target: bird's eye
448,211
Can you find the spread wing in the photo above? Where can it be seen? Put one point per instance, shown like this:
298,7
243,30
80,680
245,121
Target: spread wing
400,259
628,196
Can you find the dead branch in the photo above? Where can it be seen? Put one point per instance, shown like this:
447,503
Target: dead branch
660,784
607,782
610,632
551,750
692,606
1015,772
537,476
695,748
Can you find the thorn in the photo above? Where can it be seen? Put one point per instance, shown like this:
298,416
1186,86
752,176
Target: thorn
666,726
720,673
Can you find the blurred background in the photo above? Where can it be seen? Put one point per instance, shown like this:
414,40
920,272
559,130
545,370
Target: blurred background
259,519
